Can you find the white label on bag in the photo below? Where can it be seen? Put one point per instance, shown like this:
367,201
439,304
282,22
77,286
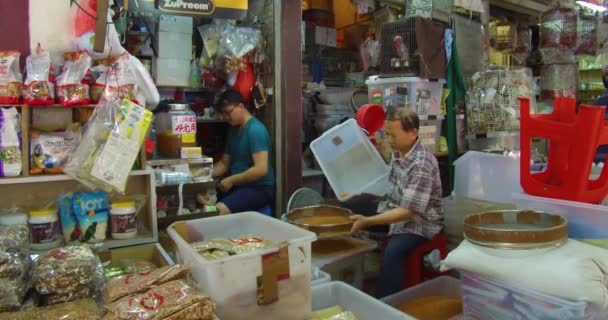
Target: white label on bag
116,161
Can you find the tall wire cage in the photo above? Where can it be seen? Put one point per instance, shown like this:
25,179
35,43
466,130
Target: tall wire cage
489,102
434,9
399,54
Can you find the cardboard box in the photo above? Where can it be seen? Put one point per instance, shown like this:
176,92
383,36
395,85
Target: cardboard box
174,45
172,72
152,252
170,23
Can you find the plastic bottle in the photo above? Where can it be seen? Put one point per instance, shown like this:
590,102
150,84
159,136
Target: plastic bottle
123,223
44,230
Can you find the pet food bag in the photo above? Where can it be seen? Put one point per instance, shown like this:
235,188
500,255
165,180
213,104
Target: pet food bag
110,144
49,150
115,78
72,83
38,88
11,81
10,142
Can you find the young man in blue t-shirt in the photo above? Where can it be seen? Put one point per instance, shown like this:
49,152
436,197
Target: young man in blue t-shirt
249,181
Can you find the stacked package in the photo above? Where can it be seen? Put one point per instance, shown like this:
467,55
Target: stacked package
14,265
67,274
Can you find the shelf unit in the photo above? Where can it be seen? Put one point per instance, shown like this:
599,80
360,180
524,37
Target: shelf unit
29,192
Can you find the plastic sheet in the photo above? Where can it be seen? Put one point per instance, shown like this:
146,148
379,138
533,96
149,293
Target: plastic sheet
11,80
72,85
110,144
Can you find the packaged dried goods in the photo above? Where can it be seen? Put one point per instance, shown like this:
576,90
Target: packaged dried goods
12,292
221,248
38,87
67,273
49,150
11,80
10,142
137,283
91,212
72,83
171,300
110,145
84,309
14,238
115,79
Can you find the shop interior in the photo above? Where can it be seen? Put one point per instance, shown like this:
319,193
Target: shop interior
247,159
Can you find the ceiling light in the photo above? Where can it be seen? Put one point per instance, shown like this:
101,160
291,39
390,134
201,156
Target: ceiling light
591,6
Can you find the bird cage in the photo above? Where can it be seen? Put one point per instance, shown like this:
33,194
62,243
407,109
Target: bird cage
489,102
586,34
502,35
558,28
434,9
400,54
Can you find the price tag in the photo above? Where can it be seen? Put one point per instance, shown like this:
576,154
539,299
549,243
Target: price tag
184,126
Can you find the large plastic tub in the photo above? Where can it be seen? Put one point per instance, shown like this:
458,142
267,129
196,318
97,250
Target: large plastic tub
350,299
350,162
486,299
486,176
586,222
232,282
421,95
441,286
319,276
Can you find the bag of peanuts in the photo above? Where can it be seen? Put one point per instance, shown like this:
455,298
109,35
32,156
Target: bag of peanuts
38,87
11,80
72,83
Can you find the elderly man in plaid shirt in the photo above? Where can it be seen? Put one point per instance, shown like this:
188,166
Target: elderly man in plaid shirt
412,207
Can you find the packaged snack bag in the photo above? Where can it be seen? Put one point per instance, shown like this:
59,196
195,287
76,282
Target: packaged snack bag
72,83
38,87
11,80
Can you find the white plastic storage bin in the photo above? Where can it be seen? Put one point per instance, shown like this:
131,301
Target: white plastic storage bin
350,299
487,176
232,282
586,222
319,276
441,286
486,299
421,95
350,162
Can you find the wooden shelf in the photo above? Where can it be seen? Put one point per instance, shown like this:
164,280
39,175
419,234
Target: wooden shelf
171,162
144,238
53,177
201,120
48,106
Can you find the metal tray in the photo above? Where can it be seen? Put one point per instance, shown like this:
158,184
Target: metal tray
513,229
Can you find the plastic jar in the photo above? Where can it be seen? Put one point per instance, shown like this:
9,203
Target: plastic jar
44,230
123,224
175,129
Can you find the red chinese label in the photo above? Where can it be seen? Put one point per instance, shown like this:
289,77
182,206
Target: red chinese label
183,124
247,240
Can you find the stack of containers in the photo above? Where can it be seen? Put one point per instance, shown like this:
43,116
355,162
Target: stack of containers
421,95
174,40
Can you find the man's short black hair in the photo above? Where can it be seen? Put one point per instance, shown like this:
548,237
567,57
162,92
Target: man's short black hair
229,97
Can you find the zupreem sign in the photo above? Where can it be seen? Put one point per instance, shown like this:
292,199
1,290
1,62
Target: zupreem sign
224,9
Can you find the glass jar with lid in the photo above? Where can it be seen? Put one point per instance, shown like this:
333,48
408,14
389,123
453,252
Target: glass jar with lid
175,129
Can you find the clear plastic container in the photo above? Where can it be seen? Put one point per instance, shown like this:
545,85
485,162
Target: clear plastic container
421,95
319,276
350,162
486,299
487,176
44,230
586,222
231,282
350,299
123,222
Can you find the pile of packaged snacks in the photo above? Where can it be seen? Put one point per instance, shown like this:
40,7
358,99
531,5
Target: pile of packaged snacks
72,83
174,300
158,294
69,273
39,88
11,80
220,248
84,309
10,142
14,265
128,266
333,313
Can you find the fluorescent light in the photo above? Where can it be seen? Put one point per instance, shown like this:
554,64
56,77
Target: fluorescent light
591,6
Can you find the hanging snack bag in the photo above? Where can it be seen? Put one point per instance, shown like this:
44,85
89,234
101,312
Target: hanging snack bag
91,211
112,140
115,78
72,83
10,142
49,150
11,80
38,88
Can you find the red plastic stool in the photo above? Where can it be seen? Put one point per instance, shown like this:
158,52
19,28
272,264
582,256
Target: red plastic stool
573,142
415,272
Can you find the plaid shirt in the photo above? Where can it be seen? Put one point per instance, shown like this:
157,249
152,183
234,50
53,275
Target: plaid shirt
415,185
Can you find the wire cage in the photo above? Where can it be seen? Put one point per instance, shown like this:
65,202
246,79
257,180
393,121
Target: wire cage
558,28
502,35
434,9
489,102
586,34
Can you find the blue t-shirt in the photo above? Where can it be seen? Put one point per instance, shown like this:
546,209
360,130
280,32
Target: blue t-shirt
241,146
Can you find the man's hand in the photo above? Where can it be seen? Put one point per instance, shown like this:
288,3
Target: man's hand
359,223
226,184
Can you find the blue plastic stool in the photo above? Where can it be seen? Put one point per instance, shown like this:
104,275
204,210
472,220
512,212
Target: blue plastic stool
267,211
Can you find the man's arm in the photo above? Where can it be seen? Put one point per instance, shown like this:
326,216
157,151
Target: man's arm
221,167
387,217
255,173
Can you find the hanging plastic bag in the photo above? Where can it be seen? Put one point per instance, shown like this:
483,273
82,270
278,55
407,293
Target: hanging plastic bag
239,41
11,80
72,83
84,31
38,89
110,144
195,75
148,93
